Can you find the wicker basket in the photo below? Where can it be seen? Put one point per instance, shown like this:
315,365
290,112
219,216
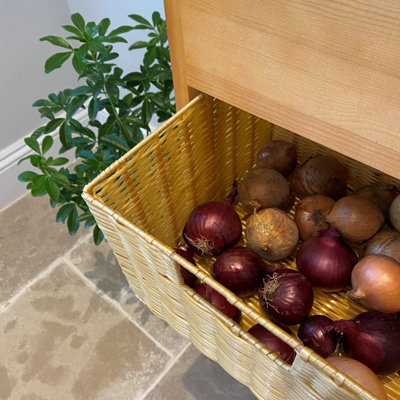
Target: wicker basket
141,204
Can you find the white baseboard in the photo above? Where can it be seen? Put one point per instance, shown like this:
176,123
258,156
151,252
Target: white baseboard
12,188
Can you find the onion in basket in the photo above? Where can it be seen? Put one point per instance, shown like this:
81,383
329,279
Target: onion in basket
214,226
271,233
359,373
277,345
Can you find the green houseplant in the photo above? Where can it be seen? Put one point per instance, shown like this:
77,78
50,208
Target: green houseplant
129,102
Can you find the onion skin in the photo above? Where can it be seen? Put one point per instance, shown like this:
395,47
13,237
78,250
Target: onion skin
271,233
218,301
357,219
382,195
360,373
386,243
372,338
263,188
278,155
239,269
394,213
326,261
310,215
316,333
286,296
187,252
212,227
286,352
376,283
319,175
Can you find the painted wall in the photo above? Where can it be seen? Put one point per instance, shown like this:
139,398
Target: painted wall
22,77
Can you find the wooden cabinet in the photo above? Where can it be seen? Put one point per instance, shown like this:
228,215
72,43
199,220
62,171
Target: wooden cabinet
325,69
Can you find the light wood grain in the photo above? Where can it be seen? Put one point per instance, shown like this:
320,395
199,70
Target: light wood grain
327,70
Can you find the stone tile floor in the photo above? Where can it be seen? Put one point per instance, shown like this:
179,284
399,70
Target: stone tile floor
72,329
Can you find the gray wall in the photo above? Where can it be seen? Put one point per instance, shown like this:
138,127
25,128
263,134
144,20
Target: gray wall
22,78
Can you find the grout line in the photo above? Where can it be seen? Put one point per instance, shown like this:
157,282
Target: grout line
46,271
163,374
118,306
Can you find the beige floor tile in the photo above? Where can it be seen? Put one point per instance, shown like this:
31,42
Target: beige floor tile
195,377
60,340
99,264
30,240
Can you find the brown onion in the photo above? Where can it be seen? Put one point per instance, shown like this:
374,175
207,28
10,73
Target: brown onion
357,219
360,373
262,188
310,215
376,283
278,155
382,195
394,213
385,242
320,175
271,233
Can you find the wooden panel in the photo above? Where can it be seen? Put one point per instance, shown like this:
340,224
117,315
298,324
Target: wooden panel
327,70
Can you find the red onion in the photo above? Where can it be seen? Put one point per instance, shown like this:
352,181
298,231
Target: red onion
286,352
187,252
213,226
218,301
326,260
372,338
286,296
316,333
239,269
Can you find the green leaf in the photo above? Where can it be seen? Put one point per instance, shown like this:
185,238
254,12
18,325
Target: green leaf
116,39
156,17
59,161
140,19
26,176
47,143
53,124
60,179
103,26
149,57
76,104
86,154
119,30
140,44
147,111
38,132
65,135
141,27
98,235
57,41
42,103
38,185
117,142
52,189
81,90
64,211
93,108
72,29
78,21
33,144
112,89
56,61
72,222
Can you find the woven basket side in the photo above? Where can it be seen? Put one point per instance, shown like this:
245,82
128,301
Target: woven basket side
141,203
